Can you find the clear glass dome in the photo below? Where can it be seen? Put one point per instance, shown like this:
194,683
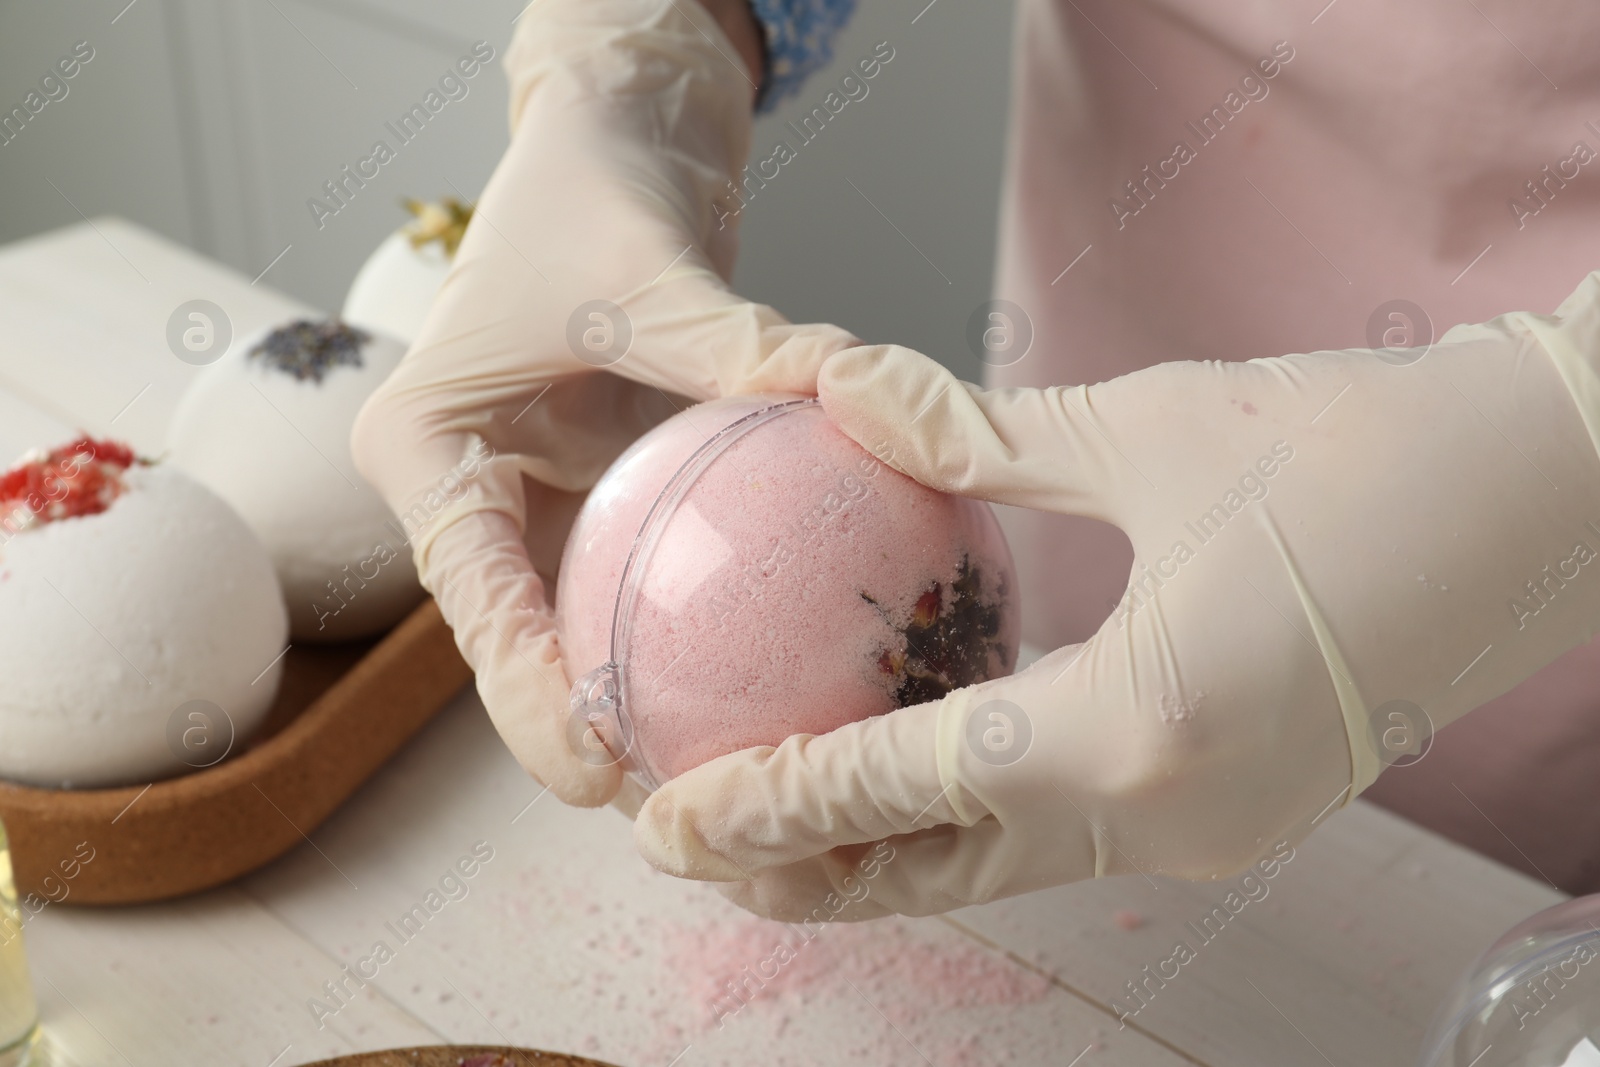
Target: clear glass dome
746,572
1531,1000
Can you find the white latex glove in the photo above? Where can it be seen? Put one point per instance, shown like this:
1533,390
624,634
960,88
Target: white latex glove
629,119
1316,536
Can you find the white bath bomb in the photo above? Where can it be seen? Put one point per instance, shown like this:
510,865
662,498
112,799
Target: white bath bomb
395,287
267,428
127,592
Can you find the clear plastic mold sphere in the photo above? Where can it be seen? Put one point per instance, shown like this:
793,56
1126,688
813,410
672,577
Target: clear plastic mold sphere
1531,1000
746,572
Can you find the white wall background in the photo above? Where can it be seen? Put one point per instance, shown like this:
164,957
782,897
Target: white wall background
213,121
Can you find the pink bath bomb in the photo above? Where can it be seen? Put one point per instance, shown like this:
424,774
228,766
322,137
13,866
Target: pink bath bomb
746,572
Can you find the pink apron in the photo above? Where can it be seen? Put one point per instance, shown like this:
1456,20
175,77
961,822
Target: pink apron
1228,179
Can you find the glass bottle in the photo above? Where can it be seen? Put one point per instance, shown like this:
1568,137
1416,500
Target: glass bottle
19,1014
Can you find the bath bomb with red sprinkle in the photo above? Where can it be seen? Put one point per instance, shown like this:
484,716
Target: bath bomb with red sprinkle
746,572
127,591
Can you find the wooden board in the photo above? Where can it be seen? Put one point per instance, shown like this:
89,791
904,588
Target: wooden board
341,712
459,1056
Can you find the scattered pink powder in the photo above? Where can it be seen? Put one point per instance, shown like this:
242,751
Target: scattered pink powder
1127,920
908,979
887,992
731,965
776,600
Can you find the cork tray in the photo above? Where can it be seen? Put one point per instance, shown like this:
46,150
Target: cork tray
341,712
459,1056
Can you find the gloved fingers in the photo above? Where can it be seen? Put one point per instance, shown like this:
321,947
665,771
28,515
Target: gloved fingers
695,337
761,808
928,872
489,593
660,313
484,397
1046,449
512,352
953,761
831,887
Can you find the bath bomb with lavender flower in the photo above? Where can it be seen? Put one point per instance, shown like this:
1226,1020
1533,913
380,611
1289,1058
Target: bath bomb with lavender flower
267,428
746,572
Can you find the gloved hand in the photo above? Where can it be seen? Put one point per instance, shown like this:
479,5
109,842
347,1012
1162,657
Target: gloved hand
1332,551
590,285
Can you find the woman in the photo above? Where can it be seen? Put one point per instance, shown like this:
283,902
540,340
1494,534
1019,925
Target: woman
1332,555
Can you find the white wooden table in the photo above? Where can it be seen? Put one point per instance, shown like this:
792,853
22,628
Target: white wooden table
566,940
